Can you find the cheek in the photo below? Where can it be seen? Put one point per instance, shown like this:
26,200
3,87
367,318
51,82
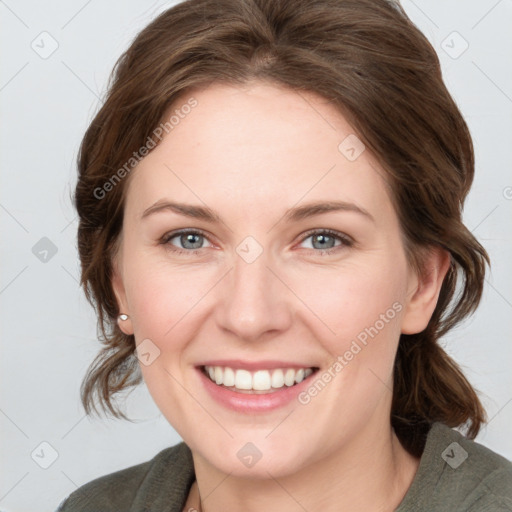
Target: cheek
162,297
350,301
362,307
340,304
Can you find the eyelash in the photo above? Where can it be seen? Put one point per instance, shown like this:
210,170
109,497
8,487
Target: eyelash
345,240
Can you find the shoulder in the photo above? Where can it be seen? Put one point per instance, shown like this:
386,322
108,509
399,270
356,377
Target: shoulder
476,462
456,473
483,477
132,488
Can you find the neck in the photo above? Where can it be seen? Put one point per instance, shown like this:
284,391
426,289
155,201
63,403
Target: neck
372,475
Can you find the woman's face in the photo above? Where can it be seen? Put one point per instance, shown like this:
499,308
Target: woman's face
283,256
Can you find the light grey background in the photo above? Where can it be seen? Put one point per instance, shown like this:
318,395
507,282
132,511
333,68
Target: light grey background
49,330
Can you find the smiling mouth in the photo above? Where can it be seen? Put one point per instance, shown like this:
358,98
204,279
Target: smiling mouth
259,381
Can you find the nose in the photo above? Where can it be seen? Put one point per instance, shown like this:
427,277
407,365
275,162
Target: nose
255,303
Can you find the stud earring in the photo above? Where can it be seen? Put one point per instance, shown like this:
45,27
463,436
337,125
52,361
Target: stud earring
122,317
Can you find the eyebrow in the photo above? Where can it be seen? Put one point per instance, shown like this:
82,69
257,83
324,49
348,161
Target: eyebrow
292,215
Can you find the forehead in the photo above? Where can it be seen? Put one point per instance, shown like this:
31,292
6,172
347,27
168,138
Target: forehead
259,145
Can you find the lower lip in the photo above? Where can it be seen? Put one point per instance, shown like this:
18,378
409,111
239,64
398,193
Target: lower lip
247,403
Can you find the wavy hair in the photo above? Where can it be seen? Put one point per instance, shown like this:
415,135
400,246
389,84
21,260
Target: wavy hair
371,62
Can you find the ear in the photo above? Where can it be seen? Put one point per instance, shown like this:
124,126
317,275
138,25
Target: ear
424,290
119,291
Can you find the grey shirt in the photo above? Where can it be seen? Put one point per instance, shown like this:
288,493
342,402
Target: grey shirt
454,475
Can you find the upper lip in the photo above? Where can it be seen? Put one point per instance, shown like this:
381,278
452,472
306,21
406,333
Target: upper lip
254,365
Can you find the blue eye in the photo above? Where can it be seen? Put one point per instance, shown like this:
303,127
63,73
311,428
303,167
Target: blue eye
190,240
323,241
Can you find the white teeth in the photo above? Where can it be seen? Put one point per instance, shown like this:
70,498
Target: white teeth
289,377
229,377
299,375
260,380
243,379
277,378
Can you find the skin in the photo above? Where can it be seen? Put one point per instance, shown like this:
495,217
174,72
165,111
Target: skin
249,154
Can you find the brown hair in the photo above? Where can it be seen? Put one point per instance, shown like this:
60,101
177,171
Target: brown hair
379,70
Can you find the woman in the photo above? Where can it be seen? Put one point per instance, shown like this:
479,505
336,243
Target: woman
270,229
